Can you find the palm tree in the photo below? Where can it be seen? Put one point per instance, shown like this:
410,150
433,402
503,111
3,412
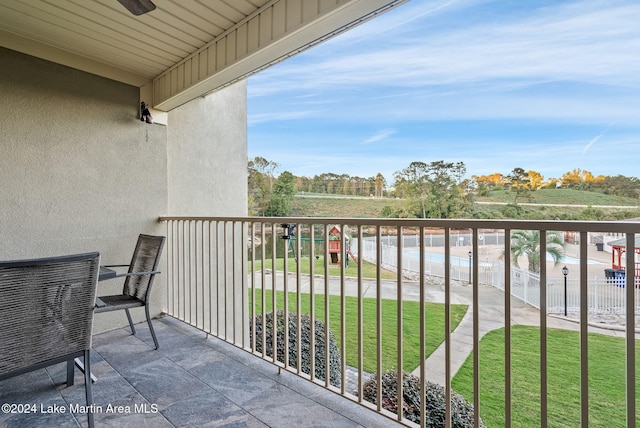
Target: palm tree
527,243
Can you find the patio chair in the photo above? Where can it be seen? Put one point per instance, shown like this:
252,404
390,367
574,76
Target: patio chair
139,279
46,315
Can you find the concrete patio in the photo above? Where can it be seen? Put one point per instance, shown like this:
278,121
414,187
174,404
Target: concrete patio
191,380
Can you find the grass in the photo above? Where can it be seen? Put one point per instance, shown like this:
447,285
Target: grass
434,320
368,269
561,196
341,207
358,207
606,378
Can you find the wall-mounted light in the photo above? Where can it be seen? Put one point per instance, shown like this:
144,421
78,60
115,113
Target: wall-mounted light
287,230
145,116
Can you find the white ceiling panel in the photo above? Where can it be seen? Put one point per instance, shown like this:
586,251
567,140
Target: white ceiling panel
103,37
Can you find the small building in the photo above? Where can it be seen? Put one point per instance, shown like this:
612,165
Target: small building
619,247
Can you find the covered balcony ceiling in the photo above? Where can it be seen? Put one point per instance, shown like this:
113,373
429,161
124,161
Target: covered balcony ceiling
184,48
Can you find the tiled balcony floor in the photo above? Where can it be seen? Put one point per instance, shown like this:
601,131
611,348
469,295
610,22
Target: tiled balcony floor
192,381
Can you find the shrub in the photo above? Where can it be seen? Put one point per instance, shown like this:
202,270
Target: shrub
512,211
461,411
335,363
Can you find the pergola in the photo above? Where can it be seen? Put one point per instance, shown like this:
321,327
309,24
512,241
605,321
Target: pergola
619,247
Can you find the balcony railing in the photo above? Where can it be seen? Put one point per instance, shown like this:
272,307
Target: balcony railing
226,274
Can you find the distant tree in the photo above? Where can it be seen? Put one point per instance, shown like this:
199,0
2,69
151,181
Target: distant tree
329,182
580,179
490,181
535,179
318,184
302,184
413,183
434,190
447,189
282,196
519,183
261,176
360,186
380,185
621,185
553,183
571,179
527,243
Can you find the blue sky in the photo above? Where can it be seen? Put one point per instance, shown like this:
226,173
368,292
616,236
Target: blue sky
542,85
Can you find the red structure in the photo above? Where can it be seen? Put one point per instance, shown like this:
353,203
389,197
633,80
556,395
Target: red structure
618,248
335,241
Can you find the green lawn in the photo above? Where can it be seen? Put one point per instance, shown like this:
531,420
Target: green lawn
561,196
368,269
341,207
410,326
606,379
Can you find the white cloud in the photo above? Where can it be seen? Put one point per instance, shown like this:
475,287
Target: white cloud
593,141
380,135
594,43
277,116
571,64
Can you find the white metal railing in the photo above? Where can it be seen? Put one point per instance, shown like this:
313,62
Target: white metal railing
606,295
220,278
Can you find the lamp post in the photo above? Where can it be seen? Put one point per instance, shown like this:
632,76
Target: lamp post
565,272
470,254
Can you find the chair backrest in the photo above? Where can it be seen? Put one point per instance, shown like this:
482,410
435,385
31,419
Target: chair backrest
46,308
146,258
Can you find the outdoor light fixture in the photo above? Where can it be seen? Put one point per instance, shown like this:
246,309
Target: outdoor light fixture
287,229
565,272
145,116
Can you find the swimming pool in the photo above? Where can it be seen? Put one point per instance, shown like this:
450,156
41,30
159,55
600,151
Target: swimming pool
572,260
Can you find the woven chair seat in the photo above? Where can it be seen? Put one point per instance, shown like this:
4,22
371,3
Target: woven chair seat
136,291
113,303
46,316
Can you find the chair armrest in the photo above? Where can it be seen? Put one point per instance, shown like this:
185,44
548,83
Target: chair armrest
137,273
110,266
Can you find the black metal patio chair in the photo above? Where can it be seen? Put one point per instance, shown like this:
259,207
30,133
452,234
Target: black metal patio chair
138,281
46,315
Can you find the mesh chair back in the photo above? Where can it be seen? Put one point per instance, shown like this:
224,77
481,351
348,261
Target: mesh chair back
146,258
46,308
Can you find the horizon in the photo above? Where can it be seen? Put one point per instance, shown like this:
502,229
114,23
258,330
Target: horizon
550,87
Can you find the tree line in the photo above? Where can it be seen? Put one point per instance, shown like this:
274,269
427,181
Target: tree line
437,189
579,179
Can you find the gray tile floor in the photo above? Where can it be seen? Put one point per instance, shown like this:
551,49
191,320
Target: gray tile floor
192,381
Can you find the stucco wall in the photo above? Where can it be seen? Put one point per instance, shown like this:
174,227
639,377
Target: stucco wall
80,172
207,155
77,167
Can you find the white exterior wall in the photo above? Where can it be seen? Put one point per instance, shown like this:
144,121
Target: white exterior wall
207,155
80,172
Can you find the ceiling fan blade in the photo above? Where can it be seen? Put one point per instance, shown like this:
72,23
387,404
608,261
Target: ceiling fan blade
138,7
